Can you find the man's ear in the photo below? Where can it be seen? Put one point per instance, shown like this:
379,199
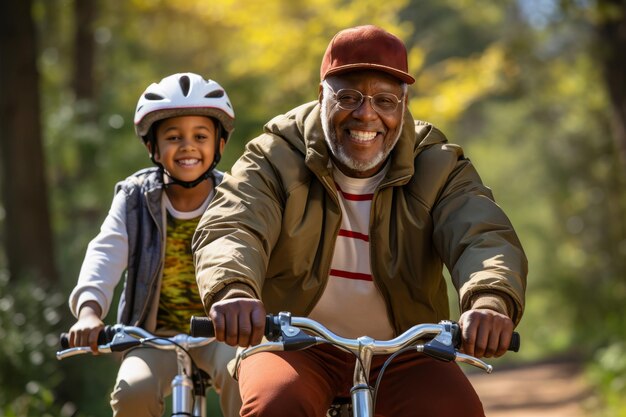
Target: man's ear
222,145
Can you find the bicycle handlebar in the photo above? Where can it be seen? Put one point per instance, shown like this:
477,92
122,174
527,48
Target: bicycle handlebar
286,333
203,327
118,338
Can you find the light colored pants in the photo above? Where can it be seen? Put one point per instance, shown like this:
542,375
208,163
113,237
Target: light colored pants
146,374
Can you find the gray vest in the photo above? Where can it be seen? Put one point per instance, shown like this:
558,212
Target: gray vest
145,225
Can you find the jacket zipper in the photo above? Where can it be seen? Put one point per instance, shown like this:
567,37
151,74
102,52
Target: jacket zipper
372,247
317,297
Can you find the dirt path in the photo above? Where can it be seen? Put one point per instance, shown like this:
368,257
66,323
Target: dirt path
554,389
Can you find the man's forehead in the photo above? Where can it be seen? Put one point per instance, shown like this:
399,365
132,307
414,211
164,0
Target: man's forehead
364,77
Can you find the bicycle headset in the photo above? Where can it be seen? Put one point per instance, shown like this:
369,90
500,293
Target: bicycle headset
184,94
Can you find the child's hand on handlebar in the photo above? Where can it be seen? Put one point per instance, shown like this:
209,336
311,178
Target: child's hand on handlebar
486,333
238,321
86,330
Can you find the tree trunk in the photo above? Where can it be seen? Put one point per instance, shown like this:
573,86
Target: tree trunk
84,48
612,30
27,231
612,37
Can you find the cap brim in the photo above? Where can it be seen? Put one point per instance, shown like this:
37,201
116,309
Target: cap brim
401,75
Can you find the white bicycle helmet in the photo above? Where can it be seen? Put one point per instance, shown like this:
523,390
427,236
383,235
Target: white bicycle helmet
184,94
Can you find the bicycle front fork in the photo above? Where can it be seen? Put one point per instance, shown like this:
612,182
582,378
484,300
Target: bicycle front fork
182,390
187,399
184,398
361,400
361,394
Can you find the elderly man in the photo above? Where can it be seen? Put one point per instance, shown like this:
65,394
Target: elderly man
345,210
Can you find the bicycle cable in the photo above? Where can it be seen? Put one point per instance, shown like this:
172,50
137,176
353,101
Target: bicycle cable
335,344
382,371
194,366
358,358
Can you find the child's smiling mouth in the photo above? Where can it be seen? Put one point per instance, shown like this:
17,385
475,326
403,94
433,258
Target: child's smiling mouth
188,162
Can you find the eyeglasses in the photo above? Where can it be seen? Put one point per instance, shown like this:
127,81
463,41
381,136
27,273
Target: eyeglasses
382,103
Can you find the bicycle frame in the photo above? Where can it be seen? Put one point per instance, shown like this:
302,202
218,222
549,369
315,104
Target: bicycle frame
188,387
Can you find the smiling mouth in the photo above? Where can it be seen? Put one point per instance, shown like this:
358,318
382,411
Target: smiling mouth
362,136
188,162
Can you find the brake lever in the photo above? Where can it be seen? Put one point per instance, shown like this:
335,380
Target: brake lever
263,347
122,341
289,338
443,346
462,357
80,350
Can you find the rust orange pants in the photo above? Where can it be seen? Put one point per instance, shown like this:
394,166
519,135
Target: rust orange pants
304,384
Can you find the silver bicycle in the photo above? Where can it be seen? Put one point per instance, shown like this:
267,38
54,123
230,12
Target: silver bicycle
285,333
190,384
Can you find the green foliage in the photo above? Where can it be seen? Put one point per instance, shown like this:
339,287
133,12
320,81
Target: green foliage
572,208
608,371
587,196
29,322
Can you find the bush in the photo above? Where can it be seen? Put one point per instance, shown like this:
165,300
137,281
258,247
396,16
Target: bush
29,326
608,372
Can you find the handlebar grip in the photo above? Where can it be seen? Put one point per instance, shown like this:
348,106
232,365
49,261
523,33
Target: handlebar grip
201,327
105,336
456,338
64,340
515,342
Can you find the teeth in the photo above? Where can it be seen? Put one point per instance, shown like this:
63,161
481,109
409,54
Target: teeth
362,136
192,161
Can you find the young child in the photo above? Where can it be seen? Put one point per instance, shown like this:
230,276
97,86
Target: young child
184,121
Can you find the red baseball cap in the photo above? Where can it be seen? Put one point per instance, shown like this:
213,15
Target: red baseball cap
366,48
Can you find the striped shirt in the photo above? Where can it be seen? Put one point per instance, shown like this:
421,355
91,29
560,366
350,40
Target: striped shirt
351,304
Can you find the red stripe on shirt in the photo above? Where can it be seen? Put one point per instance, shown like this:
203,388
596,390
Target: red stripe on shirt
354,235
355,197
350,275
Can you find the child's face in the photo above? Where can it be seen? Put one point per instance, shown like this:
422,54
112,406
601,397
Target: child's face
186,146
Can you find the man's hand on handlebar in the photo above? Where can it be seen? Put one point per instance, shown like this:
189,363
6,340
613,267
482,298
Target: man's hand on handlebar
238,321
486,333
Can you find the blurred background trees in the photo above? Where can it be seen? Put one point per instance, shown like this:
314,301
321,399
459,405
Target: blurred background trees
534,90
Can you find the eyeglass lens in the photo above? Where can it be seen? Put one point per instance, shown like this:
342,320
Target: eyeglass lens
349,99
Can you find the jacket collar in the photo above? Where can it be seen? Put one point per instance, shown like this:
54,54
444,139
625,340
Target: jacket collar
302,127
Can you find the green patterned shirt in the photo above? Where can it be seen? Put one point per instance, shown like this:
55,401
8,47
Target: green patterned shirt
179,298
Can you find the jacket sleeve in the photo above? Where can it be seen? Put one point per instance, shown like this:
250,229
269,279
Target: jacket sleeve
105,261
477,242
236,234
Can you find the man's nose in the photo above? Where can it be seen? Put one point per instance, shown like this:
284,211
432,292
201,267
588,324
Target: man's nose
365,111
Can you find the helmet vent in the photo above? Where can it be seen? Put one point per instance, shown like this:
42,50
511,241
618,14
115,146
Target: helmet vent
215,94
152,96
184,84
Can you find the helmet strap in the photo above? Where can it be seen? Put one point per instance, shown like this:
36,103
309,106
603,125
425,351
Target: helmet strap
150,139
186,184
